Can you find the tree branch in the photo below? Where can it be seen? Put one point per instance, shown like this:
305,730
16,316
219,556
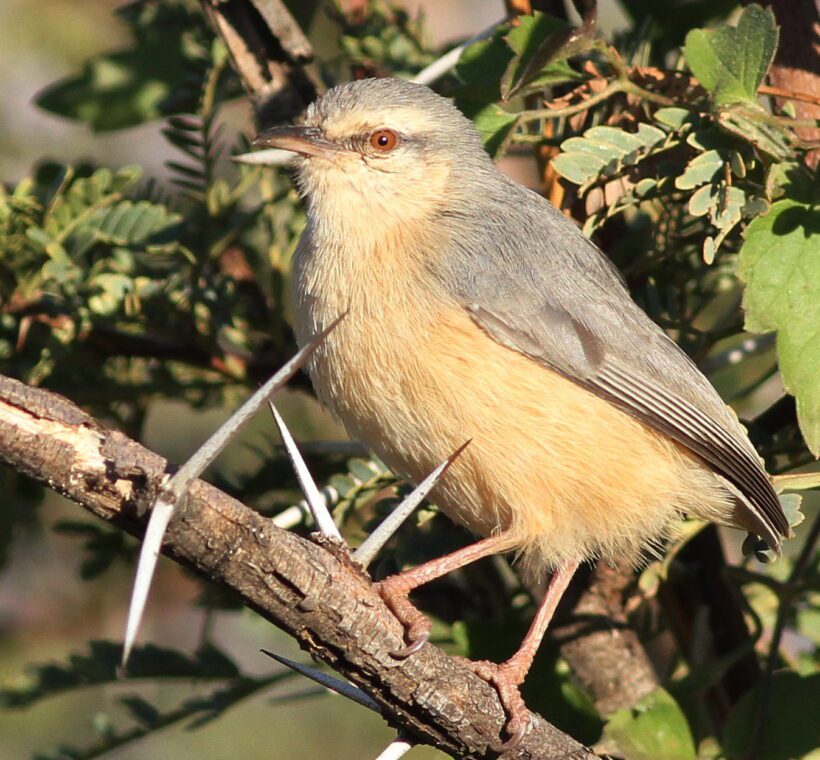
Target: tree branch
314,592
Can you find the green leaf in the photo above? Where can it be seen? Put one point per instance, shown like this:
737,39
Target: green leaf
753,125
604,151
578,167
481,67
780,265
700,170
675,118
493,123
149,80
791,728
730,62
654,728
102,665
541,44
703,199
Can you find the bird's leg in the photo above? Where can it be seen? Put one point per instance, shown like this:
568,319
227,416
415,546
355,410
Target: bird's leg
508,676
395,589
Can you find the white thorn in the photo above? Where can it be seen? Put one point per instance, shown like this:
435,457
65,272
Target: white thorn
289,518
379,537
149,553
441,66
315,501
173,492
329,682
268,157
396,749
316,504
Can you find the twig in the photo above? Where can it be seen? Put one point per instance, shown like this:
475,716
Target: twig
780,92
613,88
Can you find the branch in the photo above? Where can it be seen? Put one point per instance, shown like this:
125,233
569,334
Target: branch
271,54
313,592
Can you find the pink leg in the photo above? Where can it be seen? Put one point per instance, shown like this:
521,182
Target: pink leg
505,677
508,676
395,589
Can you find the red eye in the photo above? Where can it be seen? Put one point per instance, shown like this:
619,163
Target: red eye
384,140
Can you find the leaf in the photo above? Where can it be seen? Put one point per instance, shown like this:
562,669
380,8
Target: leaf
102,665
780,265
604,151
578,167
541,44
493,123
654,728
85,195
730,62
481,67
675,118
700,170
152,78
791,726
753,125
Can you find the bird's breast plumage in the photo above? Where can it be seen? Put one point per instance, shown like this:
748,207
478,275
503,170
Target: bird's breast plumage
410,374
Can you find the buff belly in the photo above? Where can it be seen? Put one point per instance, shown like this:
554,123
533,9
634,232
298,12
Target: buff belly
571,476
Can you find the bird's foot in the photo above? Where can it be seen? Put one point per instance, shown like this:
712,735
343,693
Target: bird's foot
417,627
505,678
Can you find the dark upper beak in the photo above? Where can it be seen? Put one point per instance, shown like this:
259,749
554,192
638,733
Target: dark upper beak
308,141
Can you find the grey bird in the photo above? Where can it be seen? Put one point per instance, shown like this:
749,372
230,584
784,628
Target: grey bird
477,311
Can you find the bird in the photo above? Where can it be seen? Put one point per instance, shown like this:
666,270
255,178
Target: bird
477,312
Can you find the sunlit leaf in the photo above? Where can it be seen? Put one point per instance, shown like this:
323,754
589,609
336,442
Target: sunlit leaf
781,268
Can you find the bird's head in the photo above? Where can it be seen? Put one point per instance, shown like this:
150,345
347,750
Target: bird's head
381,149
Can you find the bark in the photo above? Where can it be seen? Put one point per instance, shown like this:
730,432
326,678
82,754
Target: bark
312,590
271,54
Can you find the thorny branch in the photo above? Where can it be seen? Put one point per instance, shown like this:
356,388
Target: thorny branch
314,592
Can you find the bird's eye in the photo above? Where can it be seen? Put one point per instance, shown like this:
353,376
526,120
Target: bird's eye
384,140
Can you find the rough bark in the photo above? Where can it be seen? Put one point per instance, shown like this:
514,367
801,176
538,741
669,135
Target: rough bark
271,54
311,590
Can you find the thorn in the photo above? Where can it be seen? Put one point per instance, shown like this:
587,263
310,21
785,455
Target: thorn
291,517
399,747
378,538
269,157
321,515
441,66
149,553
172,494
329,682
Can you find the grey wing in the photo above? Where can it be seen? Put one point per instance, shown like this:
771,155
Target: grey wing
566,307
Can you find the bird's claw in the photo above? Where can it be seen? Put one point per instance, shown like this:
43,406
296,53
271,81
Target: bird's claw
416,626
415,644
505,679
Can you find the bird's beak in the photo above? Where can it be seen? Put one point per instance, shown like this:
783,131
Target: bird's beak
308,141
283,144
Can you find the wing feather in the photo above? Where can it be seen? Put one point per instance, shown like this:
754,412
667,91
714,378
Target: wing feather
566,306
